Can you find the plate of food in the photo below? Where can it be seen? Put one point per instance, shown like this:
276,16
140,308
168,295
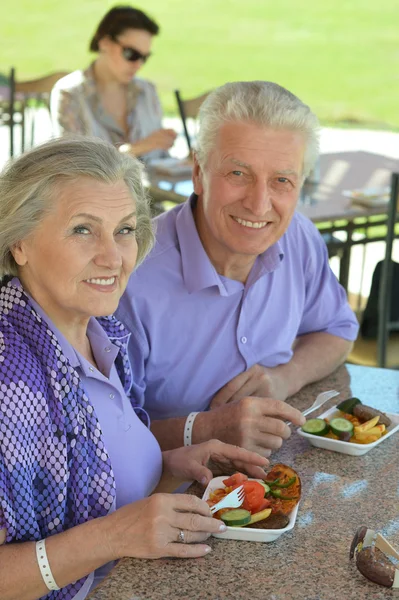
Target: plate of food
369,196
351,428
269,509
172,166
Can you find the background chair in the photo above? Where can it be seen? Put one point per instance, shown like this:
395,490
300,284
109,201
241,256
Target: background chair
384,350
28,98
7,97
188,109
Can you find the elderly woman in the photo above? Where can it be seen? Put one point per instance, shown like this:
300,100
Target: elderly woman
107,100
78,461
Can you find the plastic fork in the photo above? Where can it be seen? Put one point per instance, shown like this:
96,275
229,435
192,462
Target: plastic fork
232,500
320,400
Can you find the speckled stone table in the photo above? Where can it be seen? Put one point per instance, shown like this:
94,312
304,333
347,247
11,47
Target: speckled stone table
340,493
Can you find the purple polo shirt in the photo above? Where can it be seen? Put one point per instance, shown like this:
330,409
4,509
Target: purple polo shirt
194,330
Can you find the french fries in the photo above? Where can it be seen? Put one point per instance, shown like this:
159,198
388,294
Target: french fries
364,433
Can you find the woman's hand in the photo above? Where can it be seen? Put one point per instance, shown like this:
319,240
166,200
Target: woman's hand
150,528
193,462
161,139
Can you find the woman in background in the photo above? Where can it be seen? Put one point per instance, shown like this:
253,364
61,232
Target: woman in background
78,462
107,100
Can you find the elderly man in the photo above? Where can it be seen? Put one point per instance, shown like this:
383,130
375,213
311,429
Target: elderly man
236,308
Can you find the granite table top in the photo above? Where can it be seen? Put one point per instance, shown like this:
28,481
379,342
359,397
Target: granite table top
339,493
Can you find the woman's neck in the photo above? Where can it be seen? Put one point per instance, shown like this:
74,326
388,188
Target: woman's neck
104,78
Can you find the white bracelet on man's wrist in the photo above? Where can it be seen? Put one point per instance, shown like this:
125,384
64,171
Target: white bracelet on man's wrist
188,428
44,565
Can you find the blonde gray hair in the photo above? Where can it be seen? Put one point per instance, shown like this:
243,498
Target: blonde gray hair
28,187
264,103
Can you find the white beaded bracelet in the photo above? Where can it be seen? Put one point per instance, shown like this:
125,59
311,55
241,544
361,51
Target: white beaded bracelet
188,428
44,565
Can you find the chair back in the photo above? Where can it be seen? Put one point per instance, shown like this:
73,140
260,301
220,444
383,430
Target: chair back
29,96
188,109
385,325
43,85
7,97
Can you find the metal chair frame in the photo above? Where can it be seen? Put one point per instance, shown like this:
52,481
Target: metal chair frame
188,109
22,94
385,325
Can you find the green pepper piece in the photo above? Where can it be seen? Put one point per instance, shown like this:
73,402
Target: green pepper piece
275,482
278,494
284,485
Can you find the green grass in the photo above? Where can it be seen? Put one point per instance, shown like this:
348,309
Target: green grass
340,56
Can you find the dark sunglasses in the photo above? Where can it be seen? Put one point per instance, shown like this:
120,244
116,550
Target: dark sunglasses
131,54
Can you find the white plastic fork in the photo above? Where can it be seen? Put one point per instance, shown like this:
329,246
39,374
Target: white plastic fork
232,500
320,400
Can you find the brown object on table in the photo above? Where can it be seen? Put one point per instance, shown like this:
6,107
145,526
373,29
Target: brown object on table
365,413
272,522
357,539
376,566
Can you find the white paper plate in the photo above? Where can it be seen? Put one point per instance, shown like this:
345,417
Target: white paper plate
248,534
348,447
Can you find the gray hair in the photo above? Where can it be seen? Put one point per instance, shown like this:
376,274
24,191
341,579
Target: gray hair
263,103
28,186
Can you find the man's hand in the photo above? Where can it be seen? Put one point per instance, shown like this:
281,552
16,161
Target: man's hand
257,381
257,424
193,462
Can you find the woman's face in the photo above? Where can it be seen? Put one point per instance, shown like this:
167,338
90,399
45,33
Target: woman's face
127,53
77,262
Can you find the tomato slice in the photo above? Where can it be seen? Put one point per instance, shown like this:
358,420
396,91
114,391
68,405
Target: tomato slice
254,496
235,480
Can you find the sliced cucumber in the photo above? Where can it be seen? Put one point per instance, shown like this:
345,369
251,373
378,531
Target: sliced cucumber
260,516
316,427
342,428
348,405
264,484
236,517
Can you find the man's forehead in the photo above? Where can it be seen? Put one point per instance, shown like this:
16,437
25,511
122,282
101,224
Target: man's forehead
245,144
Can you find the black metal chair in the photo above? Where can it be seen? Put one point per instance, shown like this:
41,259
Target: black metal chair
7,106
29,96
188,109
380,320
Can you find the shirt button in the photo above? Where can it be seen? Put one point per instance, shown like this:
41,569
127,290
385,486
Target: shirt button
107,349
91,369
112,396
244,339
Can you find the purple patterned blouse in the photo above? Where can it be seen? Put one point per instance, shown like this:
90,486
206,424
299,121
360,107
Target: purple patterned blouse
55,472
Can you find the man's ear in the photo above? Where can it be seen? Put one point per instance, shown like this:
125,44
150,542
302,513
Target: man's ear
197,177
19,253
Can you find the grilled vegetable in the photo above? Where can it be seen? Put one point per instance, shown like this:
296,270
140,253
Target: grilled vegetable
283,500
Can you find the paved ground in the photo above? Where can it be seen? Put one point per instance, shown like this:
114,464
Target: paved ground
332,140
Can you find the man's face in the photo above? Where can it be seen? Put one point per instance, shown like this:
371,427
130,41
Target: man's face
247,190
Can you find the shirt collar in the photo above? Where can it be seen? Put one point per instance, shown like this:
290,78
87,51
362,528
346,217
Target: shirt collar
198,271
134,90
99,341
